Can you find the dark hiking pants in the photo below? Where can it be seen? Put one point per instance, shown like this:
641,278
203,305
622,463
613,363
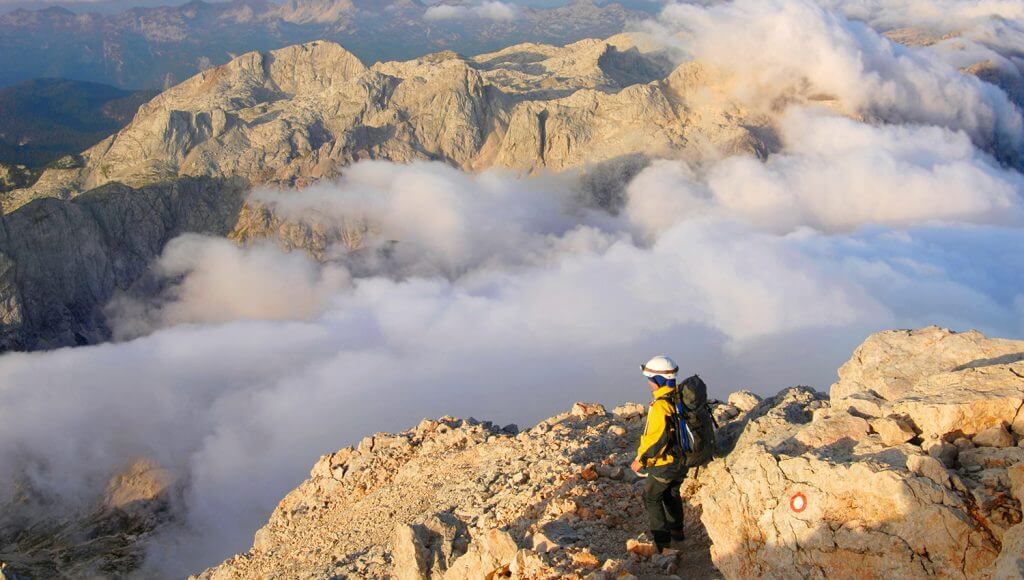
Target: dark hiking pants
664,509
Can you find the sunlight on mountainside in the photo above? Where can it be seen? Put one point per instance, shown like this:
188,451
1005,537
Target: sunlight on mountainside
340,217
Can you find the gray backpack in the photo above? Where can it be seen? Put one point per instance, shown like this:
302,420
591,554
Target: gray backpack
696,430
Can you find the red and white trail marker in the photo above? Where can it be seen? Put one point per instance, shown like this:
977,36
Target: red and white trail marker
798,502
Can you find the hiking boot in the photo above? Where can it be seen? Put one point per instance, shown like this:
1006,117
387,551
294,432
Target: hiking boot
662,540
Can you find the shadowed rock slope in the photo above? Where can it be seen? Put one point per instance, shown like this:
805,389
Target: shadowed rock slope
913,468
61,261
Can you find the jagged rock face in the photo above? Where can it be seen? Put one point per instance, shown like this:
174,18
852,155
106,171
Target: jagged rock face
876,501
104,540
802,488
62,261
302,113
946,383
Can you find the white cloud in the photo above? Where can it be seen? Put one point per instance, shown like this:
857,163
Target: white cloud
487,10
837,174
502,282
786,50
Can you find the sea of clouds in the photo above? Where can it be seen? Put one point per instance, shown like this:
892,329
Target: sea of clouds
507,298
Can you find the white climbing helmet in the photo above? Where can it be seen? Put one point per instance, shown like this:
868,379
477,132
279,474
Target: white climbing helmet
660,366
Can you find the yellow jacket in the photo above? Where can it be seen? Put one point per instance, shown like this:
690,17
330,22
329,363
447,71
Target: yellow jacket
658,445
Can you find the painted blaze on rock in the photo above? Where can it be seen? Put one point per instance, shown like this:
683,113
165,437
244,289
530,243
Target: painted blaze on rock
877,503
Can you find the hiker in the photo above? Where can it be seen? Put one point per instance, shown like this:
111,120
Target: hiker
661,456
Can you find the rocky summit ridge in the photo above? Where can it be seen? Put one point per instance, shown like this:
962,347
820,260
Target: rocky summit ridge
913,467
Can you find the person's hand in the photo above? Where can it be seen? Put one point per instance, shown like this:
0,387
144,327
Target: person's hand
635,466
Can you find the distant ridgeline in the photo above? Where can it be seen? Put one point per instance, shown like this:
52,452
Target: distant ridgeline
43,120
160,46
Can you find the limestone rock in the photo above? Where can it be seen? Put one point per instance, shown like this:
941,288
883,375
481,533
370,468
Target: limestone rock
944,452
1010,563
1015,473
543,544
995,436
487,555
892,363
824,496
587,410
427,550
929,467
832,428
744,400
291,116
992,457
642,549
723,413
892,430
945,383
629,410
799,488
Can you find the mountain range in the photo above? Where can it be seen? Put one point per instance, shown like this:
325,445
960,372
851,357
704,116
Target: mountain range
157,47
292,116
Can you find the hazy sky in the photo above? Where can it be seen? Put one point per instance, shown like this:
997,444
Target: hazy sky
117,5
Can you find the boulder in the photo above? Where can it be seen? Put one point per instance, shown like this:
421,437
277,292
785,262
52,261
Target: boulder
1015,474
818,496
629,410
1010,563
427,550
489,553
409,556
543,544
991,457
890,364
831,427
995,436
744,400
892,430
768,513
588,410
642,549
929,467
945,383
528,564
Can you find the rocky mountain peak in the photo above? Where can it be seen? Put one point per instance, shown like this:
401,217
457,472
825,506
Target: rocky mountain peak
886,489
297,114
